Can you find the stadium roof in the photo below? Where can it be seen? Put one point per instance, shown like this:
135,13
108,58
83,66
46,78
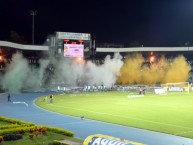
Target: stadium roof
141,49
24,47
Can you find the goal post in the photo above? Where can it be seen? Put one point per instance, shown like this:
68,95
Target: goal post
177,87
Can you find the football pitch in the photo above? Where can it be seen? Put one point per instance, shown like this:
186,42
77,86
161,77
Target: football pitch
171,113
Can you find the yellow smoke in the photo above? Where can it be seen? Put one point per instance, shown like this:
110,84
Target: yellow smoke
130,71
178,71
163,71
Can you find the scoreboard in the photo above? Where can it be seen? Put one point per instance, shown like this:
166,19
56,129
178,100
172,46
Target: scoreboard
73,44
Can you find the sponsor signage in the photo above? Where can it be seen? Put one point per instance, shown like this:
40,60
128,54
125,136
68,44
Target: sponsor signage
106,141
73,50
160,91
176,89
100,139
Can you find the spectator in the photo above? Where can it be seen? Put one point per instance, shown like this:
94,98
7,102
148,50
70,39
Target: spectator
45,99
51,98
140,90
9,98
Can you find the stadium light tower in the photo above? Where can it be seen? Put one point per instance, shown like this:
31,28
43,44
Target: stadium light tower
33,13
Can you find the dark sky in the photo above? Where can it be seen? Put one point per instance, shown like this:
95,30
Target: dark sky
150,22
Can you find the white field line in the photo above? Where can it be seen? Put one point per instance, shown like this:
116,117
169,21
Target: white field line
177,106
118,100
168,106
149,121
21,103
160,105
185,132
87,101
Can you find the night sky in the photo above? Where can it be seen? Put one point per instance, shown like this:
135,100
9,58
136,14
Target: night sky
148,22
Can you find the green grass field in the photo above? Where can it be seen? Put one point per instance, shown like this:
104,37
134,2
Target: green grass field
3,123
172,113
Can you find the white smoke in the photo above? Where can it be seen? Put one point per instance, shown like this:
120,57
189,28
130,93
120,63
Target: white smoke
21,76
36,75
75,72
16,73
106,73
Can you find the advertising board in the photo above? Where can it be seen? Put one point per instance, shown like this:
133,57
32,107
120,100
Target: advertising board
73,50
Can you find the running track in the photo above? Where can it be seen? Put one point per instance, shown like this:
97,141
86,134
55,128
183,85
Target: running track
81,128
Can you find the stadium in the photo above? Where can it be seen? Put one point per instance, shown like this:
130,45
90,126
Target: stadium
143,87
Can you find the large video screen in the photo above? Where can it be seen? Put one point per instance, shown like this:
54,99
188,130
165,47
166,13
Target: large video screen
73,50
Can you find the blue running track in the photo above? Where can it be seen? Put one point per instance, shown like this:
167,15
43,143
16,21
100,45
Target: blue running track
81,128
